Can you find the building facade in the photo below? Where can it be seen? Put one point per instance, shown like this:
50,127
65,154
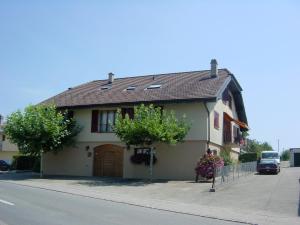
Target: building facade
211,100
7,149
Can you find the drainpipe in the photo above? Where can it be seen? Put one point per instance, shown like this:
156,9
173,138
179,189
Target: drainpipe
208,125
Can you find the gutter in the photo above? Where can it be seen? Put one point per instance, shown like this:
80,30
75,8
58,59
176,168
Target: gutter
208,124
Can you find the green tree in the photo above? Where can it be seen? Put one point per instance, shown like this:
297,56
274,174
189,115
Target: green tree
149,126
257,147
285,155
39,129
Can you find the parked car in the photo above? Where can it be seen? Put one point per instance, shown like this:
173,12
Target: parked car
4,166
269,162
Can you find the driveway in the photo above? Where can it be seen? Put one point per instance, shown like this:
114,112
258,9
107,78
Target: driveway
258,199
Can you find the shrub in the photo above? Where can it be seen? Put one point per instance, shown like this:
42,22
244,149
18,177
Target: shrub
205,167
37,165
248,157
23,162
285,155
225,155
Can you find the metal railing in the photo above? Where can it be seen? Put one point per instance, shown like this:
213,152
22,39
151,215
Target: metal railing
231,173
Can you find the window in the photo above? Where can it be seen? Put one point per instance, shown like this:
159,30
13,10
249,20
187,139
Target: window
230,101
3,137
103,121
129,111
236,134
216,120
226,97
154,86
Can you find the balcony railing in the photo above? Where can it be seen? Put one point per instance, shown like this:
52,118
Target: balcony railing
229,140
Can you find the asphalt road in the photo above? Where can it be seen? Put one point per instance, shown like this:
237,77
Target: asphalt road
21,205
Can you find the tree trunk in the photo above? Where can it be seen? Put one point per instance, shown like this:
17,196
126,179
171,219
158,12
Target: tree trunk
42,165
151,164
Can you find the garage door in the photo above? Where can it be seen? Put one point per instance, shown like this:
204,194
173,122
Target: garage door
296,159
108,161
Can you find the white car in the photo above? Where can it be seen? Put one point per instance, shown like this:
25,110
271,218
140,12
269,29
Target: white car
269,162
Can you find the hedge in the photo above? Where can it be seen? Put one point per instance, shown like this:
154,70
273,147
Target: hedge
23,162
248,157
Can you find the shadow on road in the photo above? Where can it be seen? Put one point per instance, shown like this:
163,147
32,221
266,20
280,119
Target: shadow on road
85,181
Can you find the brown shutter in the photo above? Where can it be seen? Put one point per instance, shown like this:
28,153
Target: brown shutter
123,112
130,112
95,119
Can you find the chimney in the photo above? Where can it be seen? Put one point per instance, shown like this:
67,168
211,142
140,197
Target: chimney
111,78
213,68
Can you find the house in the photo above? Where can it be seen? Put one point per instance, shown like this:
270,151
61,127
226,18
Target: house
7,149
295,157
210,99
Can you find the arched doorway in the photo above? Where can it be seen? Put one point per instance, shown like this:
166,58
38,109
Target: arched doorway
108,161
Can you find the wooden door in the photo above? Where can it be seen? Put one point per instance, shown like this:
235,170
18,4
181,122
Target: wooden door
108,161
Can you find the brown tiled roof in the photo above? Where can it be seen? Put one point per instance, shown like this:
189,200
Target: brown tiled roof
184,86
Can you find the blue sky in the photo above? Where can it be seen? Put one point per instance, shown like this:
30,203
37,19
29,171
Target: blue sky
46,47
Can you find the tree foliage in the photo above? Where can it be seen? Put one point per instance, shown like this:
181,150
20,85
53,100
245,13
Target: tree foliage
39,128
225,155
257,147
150,125
285,155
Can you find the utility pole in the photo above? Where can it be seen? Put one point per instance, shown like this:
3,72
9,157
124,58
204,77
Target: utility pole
1,117
278,146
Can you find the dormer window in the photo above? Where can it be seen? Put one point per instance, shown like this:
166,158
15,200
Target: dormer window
154,86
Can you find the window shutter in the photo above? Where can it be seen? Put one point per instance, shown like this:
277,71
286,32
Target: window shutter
95,121
130,112
123,112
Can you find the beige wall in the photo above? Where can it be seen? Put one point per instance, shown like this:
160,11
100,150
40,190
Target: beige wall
7,155
216,135
174,162
73,161
6,145
195,114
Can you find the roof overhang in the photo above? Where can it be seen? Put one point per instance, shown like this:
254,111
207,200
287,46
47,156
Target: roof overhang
236,90
118,104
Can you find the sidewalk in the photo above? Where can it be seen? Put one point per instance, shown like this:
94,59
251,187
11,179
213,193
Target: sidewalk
238,202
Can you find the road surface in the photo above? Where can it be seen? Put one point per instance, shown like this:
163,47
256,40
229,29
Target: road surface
21,205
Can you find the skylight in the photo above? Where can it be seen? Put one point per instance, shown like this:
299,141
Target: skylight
106,87
130,88
154,86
